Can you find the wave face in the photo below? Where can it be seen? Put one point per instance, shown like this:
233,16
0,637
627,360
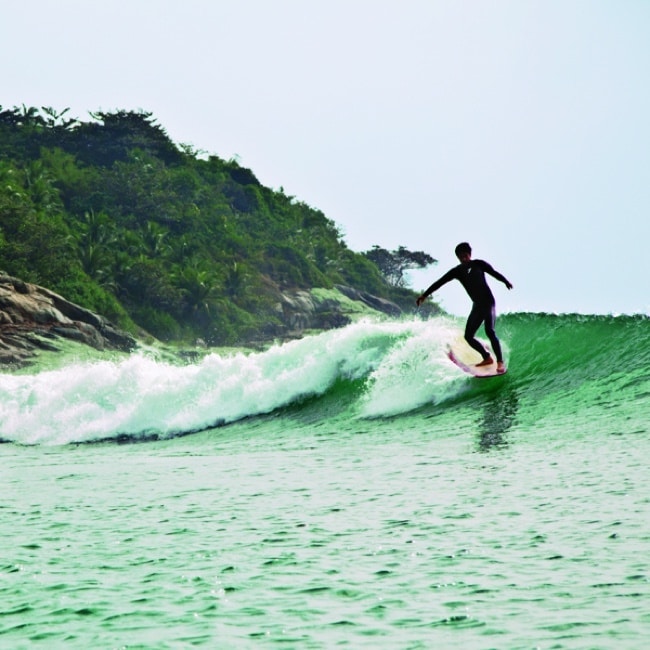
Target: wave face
596,368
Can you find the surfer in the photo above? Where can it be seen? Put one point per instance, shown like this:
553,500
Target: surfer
471,274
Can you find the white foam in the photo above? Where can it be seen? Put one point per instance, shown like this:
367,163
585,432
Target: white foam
404,362
414,372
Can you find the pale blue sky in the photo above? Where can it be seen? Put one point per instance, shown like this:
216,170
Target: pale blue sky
521,126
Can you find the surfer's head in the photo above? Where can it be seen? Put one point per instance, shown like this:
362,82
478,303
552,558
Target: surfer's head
463,252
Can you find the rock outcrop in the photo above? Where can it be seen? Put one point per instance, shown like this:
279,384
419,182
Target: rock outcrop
322,309
32,318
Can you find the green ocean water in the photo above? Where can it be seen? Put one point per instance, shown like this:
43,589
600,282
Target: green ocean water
351,489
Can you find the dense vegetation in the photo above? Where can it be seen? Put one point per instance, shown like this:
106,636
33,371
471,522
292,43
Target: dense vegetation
115,216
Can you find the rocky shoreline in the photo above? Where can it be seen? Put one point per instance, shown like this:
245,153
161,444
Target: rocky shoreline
32,318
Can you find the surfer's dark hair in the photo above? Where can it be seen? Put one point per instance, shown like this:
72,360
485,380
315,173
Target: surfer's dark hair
463,247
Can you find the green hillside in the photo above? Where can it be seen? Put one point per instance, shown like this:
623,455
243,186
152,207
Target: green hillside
115,216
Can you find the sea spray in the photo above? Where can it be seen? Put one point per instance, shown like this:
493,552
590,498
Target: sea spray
558,366
142,396
415,371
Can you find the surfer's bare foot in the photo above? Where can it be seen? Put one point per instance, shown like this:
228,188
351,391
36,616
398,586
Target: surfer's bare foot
501,367
488,361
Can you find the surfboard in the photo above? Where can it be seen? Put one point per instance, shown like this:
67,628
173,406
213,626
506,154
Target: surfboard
464,361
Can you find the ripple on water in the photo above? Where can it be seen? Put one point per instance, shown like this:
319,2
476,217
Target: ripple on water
530,546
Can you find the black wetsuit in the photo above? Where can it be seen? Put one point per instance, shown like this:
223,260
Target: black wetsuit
472,276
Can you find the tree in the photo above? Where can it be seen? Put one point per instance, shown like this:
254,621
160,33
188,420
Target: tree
112,213
95,238
115,134
393,264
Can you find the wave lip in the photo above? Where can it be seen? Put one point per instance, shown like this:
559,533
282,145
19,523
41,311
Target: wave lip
567,360
139,396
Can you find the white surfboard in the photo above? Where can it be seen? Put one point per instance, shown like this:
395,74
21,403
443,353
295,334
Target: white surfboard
466,359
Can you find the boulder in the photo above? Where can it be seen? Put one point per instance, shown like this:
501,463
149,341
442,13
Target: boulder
302,309
33,317
374,302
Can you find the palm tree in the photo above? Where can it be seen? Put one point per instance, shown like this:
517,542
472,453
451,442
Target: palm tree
153,238
199,288
94,243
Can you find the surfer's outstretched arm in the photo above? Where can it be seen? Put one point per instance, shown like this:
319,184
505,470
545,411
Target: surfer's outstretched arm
495,274
435,286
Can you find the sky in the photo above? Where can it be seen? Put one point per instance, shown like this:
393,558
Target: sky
521,126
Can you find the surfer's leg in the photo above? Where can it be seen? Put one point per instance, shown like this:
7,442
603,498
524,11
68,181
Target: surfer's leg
490,319
474,321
